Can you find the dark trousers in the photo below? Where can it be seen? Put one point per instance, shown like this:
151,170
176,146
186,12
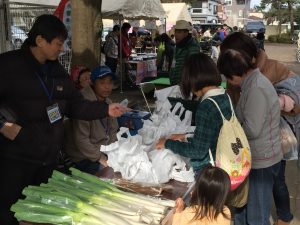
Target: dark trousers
258,209
281,196
15,176
111,63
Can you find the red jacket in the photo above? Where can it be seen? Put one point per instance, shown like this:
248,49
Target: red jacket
126,47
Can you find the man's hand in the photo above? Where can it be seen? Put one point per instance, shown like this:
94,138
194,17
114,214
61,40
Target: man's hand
103,161
116,110
10,130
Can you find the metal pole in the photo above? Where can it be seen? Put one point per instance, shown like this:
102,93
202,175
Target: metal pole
120,53
141,87
244,12
2,28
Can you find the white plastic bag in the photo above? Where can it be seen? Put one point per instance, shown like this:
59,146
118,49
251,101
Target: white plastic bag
165,122
128,156
163,94
173,166
288,141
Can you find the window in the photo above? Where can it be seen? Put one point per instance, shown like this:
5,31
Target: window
228,2
228,12
240,13
240,2
196,10
209,7
215,9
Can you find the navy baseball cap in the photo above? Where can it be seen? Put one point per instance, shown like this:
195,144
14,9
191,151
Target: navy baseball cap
100,72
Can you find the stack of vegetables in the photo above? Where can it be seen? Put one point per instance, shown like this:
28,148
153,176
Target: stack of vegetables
87,200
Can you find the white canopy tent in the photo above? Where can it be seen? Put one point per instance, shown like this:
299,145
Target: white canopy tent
131,9
176,11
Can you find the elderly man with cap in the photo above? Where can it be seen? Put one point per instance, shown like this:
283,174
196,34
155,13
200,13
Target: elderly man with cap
84,138
186,45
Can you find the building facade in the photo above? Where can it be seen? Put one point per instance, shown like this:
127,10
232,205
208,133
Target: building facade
237,12
207,11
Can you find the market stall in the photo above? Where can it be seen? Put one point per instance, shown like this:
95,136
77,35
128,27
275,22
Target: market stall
143,174
142,65
134,10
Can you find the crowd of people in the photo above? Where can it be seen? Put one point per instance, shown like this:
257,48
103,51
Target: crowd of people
208,39
44,110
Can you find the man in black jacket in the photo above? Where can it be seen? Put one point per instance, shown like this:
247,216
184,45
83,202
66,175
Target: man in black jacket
37,89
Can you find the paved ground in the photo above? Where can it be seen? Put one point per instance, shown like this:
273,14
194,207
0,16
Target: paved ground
286,54
281,52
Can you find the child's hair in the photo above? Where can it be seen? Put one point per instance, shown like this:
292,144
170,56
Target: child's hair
233,62
199,71
210,193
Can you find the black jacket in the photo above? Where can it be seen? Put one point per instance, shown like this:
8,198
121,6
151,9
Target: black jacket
21,91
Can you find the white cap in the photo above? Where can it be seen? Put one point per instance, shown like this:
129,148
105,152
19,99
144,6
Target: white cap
183,25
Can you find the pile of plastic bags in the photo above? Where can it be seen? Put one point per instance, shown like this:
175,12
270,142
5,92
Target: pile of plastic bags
128,156
136,157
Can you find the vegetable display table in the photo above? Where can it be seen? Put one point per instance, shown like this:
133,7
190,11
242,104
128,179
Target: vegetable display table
171,190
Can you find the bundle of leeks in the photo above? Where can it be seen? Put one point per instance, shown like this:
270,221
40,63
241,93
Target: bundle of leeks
84,199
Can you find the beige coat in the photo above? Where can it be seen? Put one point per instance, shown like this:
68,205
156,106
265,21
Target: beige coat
186,218
272,69
84,138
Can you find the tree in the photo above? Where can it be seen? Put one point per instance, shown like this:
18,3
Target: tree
86,26
297,15
282,10
290,4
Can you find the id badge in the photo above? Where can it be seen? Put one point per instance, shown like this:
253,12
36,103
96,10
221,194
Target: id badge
53,113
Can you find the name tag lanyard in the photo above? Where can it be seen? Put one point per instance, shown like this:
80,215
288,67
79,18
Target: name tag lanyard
43,84
53,110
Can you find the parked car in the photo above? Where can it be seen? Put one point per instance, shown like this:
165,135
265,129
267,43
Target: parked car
143,31
213,26
253,27
18,36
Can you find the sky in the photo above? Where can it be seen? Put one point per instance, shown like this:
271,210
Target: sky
254,2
